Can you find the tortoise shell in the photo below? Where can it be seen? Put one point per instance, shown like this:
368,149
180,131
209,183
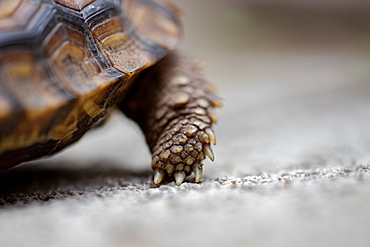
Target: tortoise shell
64,63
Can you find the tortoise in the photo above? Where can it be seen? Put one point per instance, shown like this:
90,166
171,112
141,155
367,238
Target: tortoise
66,64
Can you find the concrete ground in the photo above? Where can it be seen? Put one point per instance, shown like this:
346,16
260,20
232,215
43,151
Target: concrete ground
293,155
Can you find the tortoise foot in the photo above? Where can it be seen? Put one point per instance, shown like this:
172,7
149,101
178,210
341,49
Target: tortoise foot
176,118
182,149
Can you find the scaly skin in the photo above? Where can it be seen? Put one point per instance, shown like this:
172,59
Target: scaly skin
173,105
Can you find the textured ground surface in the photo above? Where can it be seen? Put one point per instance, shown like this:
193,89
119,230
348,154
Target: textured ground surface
292,162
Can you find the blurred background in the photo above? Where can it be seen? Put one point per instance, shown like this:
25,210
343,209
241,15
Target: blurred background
294,75
292,159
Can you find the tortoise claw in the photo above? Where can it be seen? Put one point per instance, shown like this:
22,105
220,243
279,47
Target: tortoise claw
179,177
208,152
211,135
158,176
198,172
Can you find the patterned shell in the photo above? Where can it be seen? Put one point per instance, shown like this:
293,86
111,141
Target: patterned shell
64,63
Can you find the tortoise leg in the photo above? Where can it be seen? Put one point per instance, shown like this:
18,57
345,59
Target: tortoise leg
173,105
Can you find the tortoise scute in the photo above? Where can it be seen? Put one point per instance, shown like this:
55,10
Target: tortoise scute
74,4
158,27
65,63
15,15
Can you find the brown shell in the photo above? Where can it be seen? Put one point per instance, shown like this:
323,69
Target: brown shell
64,63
